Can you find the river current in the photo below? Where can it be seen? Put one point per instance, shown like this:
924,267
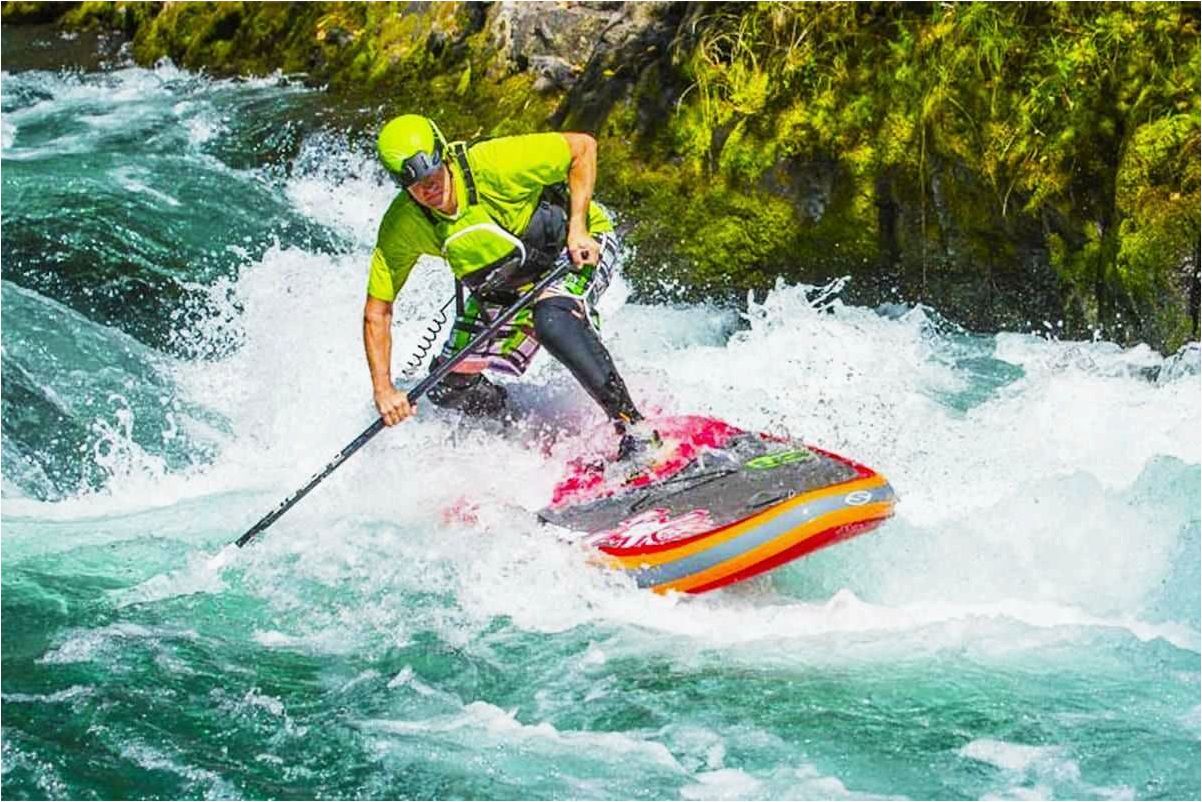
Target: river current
184,263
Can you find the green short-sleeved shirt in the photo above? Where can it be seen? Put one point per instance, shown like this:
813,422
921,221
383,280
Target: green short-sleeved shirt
510,174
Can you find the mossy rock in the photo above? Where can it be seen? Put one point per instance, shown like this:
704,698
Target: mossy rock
19,13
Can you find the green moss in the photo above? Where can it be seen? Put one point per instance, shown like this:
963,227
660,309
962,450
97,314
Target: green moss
1006,161
989,124
19,13
125,17
1157,193
688,232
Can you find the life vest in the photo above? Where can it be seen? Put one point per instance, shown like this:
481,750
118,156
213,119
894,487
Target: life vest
488,258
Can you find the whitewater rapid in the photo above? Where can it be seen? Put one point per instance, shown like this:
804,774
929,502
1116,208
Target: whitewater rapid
1048,524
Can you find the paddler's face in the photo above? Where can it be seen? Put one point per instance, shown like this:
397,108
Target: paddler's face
433,191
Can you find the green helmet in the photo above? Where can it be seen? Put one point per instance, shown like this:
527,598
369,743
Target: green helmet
411,147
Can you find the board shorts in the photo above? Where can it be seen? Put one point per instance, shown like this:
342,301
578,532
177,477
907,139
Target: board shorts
512,348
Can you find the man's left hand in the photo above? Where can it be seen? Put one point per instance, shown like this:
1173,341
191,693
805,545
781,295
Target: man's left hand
583,249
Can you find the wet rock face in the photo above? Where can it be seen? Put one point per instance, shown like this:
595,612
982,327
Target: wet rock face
554,73
808,183
630,61
1189,276
560,42
553,40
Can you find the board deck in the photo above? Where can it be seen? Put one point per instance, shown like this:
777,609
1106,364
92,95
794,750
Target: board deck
716,504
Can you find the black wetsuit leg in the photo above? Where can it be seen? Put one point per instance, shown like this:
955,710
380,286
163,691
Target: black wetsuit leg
563,329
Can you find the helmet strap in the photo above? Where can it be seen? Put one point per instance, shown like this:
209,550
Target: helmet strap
440,141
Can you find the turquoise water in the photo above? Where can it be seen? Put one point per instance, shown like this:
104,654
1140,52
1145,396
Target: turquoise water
183,270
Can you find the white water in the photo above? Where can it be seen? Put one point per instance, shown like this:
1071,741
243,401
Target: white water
1018,508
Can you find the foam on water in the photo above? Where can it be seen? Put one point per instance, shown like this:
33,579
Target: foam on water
1034,771
802,782
45,778
1020,758
202,782
64,695
109,105
8,133
580,759
84,645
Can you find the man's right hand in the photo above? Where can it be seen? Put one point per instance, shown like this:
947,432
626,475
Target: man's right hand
394,405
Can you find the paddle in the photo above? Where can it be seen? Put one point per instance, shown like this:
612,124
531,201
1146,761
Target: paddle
436,375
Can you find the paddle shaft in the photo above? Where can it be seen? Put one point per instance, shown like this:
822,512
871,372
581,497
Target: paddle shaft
422,387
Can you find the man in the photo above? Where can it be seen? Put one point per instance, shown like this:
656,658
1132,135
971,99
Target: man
502,212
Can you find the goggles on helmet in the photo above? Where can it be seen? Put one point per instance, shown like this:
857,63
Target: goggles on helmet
418,166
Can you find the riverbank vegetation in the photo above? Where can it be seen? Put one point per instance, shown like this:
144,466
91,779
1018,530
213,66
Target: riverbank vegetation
1011,164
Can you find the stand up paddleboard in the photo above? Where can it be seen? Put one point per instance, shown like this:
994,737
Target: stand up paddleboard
715,505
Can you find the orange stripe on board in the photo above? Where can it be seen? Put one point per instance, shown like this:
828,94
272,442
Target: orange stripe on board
765,550
731,531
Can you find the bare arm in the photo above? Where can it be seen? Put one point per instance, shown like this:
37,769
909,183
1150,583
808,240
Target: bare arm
393,404
582,175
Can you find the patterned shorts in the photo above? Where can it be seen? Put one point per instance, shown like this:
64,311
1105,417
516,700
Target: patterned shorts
512,348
